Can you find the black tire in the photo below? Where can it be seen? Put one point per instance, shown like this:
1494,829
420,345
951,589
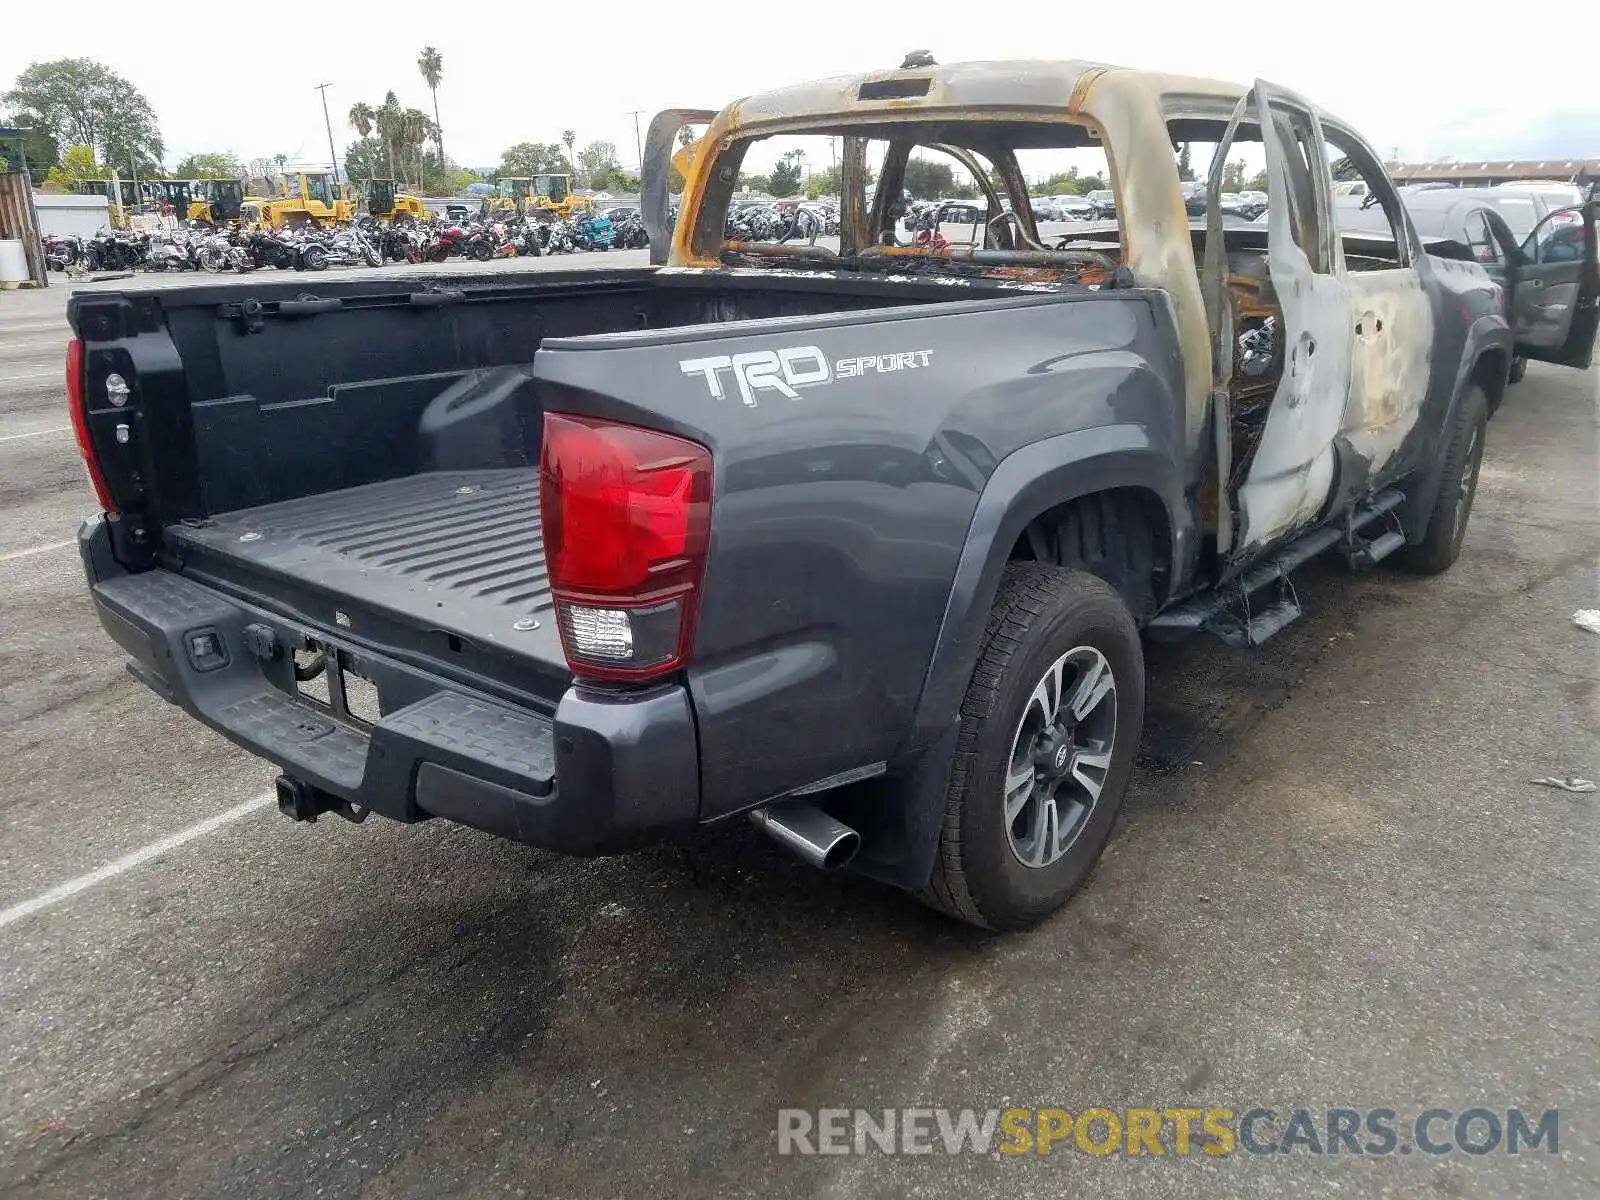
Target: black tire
1519,368
1446,527
481,251
1041,613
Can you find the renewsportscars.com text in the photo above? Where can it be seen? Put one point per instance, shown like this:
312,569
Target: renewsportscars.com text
1168,1131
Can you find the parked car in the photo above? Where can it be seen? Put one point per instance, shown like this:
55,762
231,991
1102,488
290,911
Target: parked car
858,544
1253,204
1233,205
1530,242
1194,198
1103,202
1074,208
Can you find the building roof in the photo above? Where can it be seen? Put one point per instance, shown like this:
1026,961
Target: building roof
1544,168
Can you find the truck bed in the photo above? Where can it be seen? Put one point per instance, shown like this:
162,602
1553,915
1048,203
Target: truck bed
458,552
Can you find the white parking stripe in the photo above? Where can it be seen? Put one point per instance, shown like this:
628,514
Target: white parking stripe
16,554
15,437
57,374
128,862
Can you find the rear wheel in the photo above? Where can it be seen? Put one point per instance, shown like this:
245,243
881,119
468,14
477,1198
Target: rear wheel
1049,727
1446,526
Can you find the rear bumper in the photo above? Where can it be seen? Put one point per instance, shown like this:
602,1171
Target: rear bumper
594,776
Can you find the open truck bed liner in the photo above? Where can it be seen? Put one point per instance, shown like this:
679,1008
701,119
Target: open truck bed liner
457,551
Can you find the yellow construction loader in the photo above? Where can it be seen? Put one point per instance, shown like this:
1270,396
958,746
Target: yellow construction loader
546,193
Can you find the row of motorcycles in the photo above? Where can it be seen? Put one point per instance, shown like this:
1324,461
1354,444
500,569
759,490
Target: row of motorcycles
487,239
311,248
757,221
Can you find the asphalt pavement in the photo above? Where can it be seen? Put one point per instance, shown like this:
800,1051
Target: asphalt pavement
1333,885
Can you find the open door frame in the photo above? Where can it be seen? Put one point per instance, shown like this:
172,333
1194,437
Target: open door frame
1291,473
1571,340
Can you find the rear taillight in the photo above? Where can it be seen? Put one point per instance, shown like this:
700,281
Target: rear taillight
625,512
79,412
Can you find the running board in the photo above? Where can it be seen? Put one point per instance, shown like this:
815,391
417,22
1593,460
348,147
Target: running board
1217,611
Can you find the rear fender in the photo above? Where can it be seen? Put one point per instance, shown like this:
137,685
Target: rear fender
1027,484
1489,334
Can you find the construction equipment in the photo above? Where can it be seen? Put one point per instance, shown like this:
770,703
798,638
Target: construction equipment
384,199
174,196
314,196
547,193
216,201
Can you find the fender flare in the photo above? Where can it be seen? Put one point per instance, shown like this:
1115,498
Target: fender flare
1488,333
1029,482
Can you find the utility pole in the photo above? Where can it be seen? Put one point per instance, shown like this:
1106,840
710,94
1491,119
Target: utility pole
638,146
327,121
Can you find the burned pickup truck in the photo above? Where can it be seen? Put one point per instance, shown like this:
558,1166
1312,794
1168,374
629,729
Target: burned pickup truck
858,541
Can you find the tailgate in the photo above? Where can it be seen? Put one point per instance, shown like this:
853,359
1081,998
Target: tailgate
449,564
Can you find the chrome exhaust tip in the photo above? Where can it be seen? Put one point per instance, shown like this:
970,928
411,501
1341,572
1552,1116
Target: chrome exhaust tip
809,833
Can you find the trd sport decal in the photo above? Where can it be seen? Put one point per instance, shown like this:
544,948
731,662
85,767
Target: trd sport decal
783,371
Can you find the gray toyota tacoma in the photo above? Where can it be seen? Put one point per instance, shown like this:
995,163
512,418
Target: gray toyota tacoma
584,558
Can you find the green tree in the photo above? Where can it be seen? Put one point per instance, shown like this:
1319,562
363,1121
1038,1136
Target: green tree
1185,163
402,134
362,117
532,158
929,180
596,162
365,160
40,146
569,138
1256,183
217,165
83,102
1062,183
386,119
1233,175
431,63
415,131
788,175
76,164
825,183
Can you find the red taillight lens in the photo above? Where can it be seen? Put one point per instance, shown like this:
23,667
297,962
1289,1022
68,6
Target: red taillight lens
626,512
80,424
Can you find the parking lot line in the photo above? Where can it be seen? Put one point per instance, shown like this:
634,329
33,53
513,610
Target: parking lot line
5,379
16,554
15,437
128,862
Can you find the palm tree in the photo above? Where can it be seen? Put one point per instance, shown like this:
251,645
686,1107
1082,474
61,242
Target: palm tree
686,137
570,136
431,63
414,130
387,120
361,118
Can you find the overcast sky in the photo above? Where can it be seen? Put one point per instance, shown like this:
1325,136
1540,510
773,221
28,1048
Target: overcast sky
241,78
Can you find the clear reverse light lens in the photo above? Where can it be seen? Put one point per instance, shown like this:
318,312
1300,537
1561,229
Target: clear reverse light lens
600,634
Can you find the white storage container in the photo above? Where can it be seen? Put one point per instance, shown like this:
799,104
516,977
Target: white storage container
13,264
